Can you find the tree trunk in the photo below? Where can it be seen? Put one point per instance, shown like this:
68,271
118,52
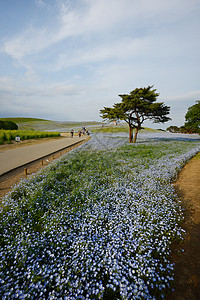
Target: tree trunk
130,134
135,136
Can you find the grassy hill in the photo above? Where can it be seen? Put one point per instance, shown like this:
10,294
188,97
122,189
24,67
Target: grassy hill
32,123
22,120
48,125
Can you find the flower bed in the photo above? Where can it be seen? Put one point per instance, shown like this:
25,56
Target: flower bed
96,224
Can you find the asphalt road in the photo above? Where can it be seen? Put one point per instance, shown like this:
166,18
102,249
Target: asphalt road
14,158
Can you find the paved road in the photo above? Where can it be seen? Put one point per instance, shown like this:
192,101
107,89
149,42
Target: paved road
14,158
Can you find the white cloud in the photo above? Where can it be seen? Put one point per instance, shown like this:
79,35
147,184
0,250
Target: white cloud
123,50
191,95
92,50
40,3
94,17
12,87
51,100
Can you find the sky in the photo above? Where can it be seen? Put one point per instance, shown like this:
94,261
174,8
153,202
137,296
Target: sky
64,60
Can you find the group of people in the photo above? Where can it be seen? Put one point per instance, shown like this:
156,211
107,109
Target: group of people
81,132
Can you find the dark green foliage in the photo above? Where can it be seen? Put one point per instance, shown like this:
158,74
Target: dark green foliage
22,120
192,124
2,124
192,118
137,107
173,129
8,125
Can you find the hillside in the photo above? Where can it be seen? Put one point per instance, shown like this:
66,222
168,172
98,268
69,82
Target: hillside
63,126
22,120
48,125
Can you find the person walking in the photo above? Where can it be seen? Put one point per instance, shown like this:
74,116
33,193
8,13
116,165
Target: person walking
72,133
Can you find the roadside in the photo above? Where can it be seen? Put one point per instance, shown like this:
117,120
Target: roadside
17,157
187,262
14,145
9,179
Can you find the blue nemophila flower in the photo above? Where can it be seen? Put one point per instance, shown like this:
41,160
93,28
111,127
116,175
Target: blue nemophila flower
97,223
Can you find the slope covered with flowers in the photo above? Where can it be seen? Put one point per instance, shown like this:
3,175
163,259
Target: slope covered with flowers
96,224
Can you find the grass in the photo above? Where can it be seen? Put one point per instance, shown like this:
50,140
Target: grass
96,224
48,125
197,156
22,120
118,129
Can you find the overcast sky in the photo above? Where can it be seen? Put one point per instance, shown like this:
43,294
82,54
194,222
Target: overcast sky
66,60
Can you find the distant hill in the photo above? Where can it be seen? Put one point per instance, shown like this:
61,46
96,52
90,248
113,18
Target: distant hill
22,120
32,123
48,125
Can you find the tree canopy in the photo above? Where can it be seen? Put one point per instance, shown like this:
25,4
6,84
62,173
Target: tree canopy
137,107
8,125
192,117
173,129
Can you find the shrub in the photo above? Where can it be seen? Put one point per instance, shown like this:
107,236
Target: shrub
9,135
8,125
2,137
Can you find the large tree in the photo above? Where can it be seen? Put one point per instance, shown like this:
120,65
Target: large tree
137,107
192,118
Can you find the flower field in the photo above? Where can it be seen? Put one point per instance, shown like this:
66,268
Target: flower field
96,224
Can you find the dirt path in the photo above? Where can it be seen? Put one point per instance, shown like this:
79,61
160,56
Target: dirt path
187,268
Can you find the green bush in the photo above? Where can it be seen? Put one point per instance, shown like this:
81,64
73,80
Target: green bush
2,124
8,125
2,137
9,136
